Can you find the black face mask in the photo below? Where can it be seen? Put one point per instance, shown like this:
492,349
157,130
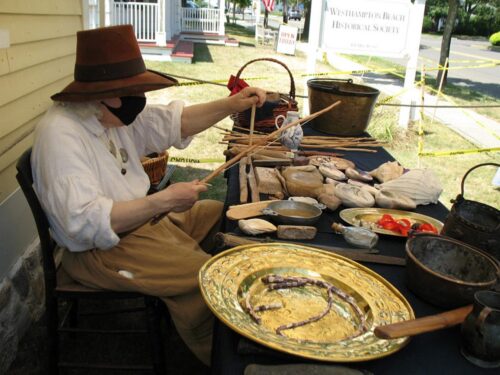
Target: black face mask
130,108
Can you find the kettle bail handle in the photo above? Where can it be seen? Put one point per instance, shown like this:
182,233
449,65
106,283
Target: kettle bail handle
470,170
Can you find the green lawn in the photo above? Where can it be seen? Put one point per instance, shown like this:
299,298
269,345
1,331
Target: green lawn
217,63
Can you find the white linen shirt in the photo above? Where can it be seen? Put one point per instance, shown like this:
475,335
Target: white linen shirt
77,179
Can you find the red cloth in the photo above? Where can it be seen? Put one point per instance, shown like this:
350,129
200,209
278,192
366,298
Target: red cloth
269,5
236,85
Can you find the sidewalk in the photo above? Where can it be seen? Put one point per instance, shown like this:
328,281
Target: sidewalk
483,132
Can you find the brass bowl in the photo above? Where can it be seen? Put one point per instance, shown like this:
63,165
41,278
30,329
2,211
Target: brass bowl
447,272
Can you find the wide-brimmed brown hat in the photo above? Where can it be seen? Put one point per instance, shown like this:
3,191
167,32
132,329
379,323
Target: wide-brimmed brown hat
109,64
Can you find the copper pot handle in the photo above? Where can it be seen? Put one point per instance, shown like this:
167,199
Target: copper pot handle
483,315
470,170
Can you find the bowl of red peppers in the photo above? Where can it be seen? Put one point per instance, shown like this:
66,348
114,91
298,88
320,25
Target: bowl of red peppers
403,226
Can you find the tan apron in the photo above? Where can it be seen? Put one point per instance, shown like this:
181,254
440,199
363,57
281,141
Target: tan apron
164,260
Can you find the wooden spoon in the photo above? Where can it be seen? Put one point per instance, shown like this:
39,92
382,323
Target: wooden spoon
422,325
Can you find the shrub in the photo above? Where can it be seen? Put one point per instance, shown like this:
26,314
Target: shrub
495,39
427,25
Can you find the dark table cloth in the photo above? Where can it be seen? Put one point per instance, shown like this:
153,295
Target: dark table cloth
432,353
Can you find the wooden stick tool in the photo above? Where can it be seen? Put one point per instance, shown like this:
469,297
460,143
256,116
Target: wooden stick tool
422,325
252,124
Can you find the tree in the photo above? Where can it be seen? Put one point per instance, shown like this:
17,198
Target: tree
470,6
307,19
285,12
479,17
435,10
242,4
446,42
475,17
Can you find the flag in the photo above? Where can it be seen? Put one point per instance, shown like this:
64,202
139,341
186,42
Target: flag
269,5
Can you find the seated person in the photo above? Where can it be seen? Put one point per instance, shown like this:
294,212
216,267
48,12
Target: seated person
90,181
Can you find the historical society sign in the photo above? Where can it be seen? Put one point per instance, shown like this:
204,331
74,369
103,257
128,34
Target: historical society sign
367,27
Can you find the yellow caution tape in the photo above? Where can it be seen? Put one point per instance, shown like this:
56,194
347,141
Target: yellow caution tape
460,152
483,60
188,160
393,71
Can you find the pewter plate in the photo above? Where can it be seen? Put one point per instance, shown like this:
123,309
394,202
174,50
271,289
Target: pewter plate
353,216
226,280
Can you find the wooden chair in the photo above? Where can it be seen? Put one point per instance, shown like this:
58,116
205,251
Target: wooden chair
57,291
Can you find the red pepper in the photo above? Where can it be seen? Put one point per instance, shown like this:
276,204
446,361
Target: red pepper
403,225
387,222
386,218
426,227
390,225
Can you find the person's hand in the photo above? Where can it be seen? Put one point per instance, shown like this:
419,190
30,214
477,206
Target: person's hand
181,196
248,97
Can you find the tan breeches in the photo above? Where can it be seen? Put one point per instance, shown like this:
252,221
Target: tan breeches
164,260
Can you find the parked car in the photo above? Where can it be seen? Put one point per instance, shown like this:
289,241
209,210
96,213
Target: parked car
294,14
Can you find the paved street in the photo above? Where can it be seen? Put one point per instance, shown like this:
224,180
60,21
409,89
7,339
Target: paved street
472,64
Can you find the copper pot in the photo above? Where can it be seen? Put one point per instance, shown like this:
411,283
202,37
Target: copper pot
447,272
349,119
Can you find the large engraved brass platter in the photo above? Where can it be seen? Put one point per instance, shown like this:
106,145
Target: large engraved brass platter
371,215
227,279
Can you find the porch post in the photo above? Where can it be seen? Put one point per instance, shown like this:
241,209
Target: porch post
102,13
169,19
161,36
110,13
179,17
107,9
222,17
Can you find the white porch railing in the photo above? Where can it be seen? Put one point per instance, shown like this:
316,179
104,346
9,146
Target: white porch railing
205,20
143,16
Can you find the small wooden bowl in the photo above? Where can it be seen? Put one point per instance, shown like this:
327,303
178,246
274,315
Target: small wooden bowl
447,272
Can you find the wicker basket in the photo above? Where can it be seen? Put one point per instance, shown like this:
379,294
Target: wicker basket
155,167
265,116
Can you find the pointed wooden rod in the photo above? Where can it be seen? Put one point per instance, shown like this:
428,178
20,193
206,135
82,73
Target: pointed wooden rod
252,124
262,143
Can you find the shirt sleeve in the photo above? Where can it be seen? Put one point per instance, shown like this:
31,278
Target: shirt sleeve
158,128
82,212
66,184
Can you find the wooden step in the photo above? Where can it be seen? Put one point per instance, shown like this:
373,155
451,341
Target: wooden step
231,42
172,42
154,49
184,48
207,38
183,51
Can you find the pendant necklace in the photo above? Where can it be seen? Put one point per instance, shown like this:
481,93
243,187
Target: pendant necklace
120,155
